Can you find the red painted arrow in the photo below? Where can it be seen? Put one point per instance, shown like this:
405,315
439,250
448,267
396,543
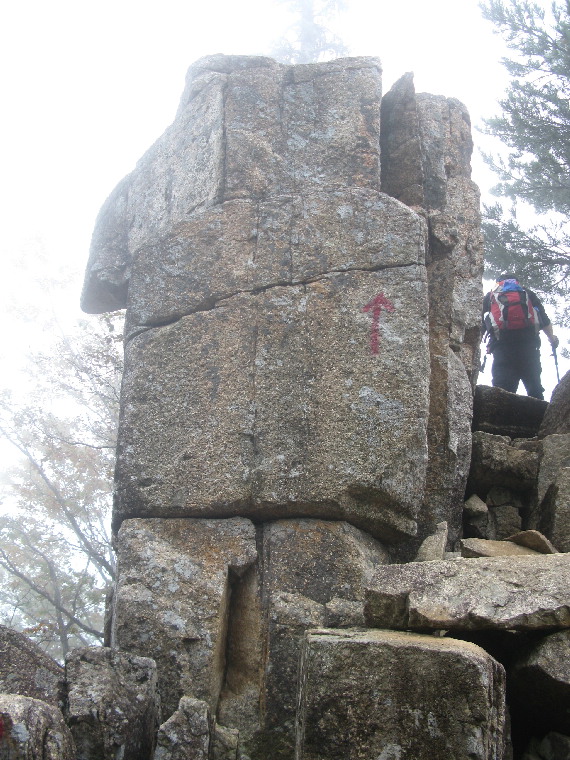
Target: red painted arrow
375,305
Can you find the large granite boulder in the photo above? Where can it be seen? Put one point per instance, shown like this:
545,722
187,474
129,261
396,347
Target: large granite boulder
112,705
28,671
282,359
33,730
381,694
227,630
273,404
496,462
518,593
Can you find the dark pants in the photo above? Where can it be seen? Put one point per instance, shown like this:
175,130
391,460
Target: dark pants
517,360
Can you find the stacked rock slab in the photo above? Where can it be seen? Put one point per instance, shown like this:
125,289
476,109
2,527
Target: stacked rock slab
298,360
426,150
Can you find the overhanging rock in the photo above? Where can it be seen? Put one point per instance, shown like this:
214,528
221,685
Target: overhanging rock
289,353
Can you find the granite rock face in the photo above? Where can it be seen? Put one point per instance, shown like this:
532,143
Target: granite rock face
380,694
272,405
26,670
112,706
286,311
227,629
518,593
301,342
33,730
171,601
426,149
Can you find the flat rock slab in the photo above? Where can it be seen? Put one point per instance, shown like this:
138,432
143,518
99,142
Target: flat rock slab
520,593
398,696
499,412
533,539
480,547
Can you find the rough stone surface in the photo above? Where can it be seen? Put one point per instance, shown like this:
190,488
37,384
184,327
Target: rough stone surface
555,455
172,599
26,670
273,405
433,547
506,520
186,734
557,416
113,706
555,511
495,462
426,148
311,573
475,507
499,412
519,593
380,694
478,547
33,730
541,682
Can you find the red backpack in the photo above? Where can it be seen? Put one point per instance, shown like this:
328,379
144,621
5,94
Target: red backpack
510,309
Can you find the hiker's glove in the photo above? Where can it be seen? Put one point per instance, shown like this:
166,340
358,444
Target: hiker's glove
554,342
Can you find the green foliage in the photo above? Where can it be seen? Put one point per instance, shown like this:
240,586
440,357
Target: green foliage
309,39
535,128
56,560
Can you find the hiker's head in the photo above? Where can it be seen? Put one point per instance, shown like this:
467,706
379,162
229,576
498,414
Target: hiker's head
507,276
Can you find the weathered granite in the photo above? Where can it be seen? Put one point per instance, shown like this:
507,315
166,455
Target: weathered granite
495,462
533,539
426,149
519,593
311,573
33,730
275,405
112,705
506,520
380,694
28,671
554,519
555,455
186,734
433,547
172,599
557,416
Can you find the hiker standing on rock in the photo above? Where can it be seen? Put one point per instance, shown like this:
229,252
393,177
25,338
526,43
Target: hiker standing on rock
512,319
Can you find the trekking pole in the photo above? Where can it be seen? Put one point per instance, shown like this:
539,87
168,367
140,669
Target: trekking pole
556,363
482,368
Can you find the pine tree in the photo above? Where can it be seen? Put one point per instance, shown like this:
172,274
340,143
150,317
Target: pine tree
535,128
309,39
